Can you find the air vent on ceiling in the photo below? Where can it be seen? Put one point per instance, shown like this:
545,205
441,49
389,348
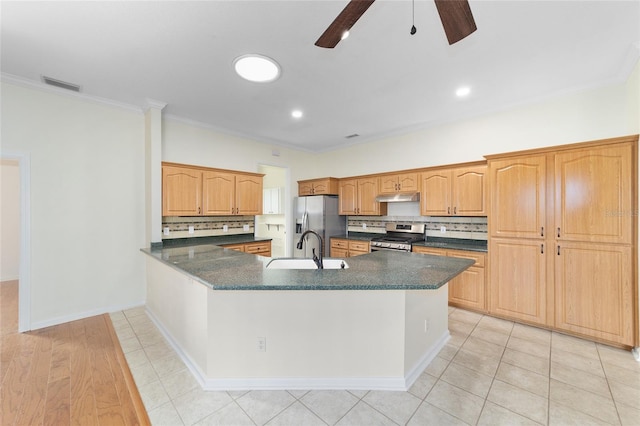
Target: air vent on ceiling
355,135
61,84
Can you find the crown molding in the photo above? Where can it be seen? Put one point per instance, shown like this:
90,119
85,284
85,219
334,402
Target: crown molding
152,103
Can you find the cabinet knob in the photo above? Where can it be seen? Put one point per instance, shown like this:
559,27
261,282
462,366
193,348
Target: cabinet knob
448,210
558,232
541,248
558,250
542,231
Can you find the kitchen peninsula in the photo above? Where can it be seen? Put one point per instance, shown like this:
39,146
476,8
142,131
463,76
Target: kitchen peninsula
238,325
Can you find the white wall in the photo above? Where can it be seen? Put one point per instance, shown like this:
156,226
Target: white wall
87,201
593,114
9,220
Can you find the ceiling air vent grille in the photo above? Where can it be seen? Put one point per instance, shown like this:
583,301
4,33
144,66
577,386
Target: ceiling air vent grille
354,135
61,84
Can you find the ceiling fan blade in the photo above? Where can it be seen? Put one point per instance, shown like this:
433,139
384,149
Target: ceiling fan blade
343,22
456,18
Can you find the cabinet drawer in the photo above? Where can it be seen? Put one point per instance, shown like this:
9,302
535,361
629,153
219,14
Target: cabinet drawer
256,248
360,246
429,250
341,244
477,257
238,247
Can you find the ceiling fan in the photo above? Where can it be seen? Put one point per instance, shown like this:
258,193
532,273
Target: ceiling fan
455,15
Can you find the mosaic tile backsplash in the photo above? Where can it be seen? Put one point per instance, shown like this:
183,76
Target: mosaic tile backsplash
210,226
468,228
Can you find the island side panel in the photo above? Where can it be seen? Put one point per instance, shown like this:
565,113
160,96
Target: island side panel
312,335
426,328
179,305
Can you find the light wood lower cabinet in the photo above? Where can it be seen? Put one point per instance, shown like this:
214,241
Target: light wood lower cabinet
260,248
342,247
467,290
517,279
594,291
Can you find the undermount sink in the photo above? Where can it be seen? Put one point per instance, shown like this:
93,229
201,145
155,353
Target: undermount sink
296,263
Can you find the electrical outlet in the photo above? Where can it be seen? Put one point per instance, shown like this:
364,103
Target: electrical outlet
191,230
165,231
245,227
262,344
364,226
443,229
225,228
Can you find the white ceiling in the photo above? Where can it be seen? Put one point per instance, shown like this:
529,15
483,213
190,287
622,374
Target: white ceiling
380,81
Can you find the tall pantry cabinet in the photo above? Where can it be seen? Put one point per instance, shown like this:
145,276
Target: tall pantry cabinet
563,238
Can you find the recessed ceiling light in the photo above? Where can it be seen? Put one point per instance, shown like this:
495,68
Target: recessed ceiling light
463,91
296,113
257,68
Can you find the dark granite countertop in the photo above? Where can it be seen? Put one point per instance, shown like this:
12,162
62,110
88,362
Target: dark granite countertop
454,244
218,240
225,269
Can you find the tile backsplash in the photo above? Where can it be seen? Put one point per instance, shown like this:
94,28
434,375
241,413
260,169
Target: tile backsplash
206,226
469,228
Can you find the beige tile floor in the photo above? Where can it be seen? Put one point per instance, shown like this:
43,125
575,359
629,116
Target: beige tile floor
491,372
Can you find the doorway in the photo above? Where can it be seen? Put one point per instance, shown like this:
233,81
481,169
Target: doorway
15,231
272,223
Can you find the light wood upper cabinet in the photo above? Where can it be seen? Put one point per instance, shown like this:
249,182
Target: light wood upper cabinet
469,191
454,192
322,186
199,191
182,191
435,199
218,193
358,197
405,182
518,197
517,279
594,195
594,291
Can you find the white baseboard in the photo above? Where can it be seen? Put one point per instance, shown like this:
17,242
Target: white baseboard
82,315
305,383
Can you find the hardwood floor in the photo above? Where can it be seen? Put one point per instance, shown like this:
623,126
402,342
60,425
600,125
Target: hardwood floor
73,373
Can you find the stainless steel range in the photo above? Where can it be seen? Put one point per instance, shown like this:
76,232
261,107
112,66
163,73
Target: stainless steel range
399,237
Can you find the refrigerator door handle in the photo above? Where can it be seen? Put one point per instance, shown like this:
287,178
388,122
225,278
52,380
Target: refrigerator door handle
305,222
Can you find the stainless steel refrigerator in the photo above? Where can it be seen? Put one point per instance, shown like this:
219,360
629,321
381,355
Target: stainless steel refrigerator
318,213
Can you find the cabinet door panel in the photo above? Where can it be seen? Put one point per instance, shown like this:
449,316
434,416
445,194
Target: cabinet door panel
218,193
181,191
594,291
248,195
388,184
338,252
467,289
348,196
517,279
594,198
408,182
518,188
435,199
305,188
469,193
367,193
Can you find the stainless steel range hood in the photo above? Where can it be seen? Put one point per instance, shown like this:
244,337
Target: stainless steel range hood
398,198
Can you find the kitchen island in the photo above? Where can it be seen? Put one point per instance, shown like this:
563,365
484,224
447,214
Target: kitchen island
238,325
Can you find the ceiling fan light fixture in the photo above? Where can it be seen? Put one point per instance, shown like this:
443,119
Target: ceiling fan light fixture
344,35
257,68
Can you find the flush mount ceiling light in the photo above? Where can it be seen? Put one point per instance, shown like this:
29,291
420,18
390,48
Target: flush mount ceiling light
463,91
257,68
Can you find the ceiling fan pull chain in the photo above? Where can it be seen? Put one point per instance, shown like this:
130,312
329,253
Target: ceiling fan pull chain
413,17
